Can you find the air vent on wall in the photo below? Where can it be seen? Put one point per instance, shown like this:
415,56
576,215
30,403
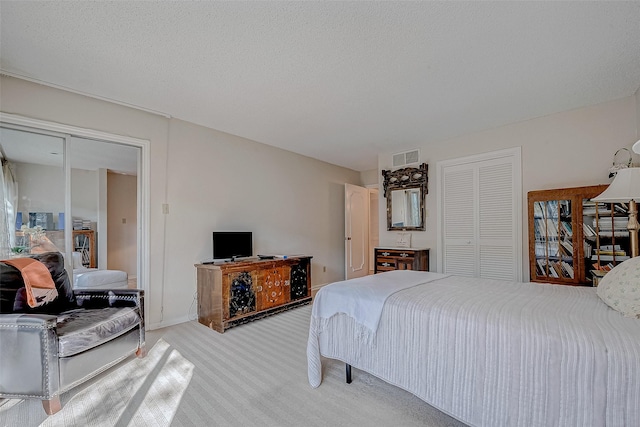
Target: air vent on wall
406,158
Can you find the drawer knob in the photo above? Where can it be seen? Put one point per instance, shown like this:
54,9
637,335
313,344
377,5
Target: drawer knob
403,255
386,264
385,254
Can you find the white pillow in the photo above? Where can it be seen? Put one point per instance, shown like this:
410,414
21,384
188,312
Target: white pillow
620,288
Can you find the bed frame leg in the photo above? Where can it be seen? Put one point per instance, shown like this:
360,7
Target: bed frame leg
348,373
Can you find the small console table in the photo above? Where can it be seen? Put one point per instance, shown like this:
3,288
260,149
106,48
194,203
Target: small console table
388,259
232,293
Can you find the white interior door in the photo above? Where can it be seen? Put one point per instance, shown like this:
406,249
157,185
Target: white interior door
356,231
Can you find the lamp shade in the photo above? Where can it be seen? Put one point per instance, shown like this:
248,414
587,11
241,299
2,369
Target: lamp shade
624,187
636,147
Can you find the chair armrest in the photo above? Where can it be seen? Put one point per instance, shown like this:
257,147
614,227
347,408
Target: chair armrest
101,298
28,356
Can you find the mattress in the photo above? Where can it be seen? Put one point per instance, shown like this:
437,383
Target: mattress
496,353
93,278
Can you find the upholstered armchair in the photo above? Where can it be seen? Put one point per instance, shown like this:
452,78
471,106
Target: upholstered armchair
49,349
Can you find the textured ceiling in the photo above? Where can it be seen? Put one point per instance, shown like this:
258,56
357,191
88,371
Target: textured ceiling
337,81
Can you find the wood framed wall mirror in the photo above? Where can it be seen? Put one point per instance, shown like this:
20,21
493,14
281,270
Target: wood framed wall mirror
405,190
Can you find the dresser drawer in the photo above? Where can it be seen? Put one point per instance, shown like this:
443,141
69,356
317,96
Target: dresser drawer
388,259
385,264
394,253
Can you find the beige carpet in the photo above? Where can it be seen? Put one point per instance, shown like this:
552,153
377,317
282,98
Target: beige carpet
252,375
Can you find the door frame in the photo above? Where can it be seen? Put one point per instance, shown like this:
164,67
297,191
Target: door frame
144,180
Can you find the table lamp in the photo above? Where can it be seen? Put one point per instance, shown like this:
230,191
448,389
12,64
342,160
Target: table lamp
625,188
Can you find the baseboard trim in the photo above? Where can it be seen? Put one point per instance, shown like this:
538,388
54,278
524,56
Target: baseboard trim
170,322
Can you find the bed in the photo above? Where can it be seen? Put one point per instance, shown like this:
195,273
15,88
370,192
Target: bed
93,278
487,352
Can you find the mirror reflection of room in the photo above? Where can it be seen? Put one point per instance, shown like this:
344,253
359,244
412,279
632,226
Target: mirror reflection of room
405,210
102,224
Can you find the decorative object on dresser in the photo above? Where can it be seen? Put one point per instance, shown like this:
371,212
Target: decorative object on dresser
405,190
403,240
561,237
233,293
388,259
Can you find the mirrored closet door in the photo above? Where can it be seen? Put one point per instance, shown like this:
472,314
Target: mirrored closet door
87,208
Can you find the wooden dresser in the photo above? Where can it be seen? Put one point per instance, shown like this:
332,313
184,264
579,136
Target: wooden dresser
232,293
388,259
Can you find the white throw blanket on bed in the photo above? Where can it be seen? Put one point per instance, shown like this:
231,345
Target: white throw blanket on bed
363,298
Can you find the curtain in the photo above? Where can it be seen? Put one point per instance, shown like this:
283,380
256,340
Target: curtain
8,209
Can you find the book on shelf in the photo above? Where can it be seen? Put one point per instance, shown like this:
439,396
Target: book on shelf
547,250
592,208
567,245
587,230
567,269
617,223
621,207
610,247
537,210
566,226
619,258
555,269
618,252
617,233
605,267
545,228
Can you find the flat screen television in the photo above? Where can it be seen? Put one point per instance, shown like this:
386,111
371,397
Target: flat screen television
232,244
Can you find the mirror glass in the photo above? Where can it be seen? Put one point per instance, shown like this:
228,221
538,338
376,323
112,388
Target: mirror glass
33,188
104,205
405,191
405,208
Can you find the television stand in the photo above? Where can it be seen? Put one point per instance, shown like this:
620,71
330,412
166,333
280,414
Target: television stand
235,292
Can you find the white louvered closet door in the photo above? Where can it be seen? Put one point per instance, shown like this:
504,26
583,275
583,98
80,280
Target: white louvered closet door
481,210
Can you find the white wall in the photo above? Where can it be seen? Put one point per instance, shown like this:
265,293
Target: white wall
122,224
84,194
567,149
211,180
637,156
41,189
220,182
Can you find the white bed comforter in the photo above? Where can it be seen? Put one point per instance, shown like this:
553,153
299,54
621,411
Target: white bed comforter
494,353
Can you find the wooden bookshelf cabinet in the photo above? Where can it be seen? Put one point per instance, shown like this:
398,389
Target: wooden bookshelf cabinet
232,293
606,231
84,242
388,259
560,245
